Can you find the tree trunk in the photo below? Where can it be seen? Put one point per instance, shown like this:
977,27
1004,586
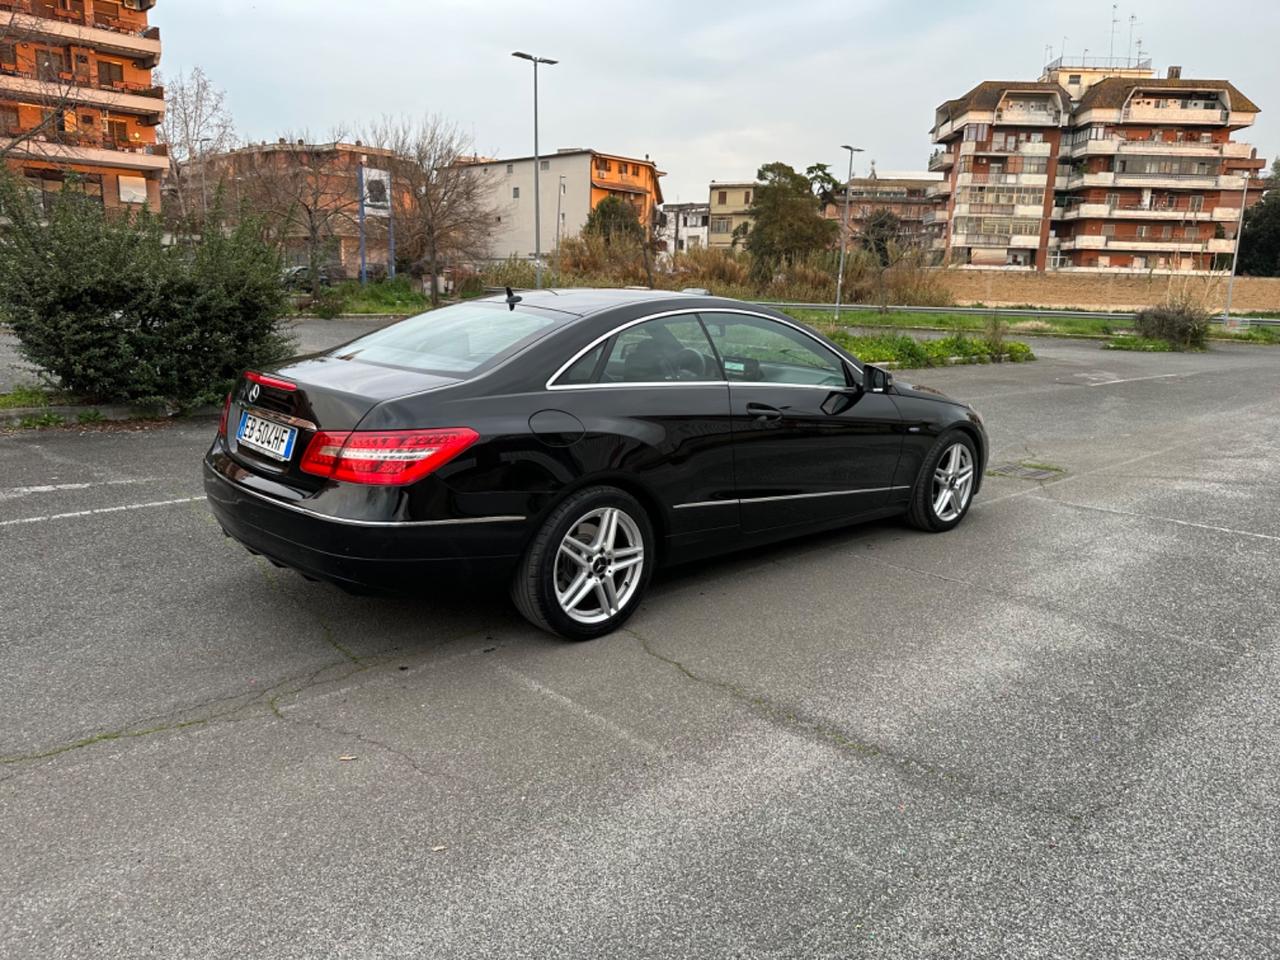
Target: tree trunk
432,258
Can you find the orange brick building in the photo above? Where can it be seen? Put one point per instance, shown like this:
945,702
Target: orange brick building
1098,165
76,95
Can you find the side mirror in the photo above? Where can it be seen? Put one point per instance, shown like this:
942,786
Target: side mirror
876,380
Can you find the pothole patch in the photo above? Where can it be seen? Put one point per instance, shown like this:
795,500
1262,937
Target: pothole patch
1026,470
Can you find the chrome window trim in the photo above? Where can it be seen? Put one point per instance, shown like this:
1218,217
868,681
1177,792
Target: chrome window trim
552,385
788,496
366,523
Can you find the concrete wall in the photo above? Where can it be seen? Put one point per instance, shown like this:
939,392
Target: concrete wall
1104,290
513,233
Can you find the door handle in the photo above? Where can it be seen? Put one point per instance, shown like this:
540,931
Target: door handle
763,412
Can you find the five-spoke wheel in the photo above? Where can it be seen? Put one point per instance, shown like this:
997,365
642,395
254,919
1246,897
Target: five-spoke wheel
586,569
945,486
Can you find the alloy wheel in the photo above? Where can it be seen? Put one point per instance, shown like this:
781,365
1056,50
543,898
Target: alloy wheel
952,482
599,564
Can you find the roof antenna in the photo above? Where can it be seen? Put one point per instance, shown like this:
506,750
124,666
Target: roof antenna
512,299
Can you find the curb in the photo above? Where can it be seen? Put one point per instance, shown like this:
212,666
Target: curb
71,414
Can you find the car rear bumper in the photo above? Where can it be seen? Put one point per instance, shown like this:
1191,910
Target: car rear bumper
392,557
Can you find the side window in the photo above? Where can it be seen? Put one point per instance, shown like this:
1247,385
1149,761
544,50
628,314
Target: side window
759,350
670,349
584,370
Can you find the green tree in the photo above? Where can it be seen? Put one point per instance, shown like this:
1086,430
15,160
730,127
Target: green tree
882,234
111,311
827,188
614,219
786,219
1260,239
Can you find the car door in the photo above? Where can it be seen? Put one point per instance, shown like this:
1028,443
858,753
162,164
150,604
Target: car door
656,407
809,445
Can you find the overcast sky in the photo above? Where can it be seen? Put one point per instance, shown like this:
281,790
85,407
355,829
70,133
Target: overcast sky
709,89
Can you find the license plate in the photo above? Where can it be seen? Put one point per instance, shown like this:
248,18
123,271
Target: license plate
266,436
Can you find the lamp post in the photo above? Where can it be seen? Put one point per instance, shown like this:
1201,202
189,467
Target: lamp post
537,163
844,226
1227,322
559,199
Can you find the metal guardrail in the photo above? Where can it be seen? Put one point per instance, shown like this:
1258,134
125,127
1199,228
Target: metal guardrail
1028,313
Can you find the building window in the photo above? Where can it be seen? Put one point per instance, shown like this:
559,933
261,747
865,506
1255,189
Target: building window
109,74
511,168
1073,79
1141,231
1108,229
546,164
1195,203
50,63
746,197
8,54
515,193
8,119
1192,233
721,225
723,197
604,165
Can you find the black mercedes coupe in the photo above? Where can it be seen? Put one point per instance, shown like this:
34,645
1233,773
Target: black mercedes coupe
572,441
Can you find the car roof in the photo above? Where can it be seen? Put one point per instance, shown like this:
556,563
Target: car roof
582,301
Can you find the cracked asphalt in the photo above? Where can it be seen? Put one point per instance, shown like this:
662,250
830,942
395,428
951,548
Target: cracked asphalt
1053,732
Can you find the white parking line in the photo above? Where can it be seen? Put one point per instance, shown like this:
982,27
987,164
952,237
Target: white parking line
1159,519
1158,376
14,493
100,510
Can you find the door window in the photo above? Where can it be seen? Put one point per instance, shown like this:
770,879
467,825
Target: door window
668,349
759,350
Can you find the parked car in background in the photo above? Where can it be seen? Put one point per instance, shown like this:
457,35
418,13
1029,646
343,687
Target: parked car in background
299,278
573,441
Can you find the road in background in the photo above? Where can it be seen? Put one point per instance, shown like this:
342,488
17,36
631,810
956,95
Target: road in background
1051,732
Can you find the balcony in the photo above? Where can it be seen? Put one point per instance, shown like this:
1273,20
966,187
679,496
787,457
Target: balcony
1152,244
1137,211
1028,118
114,36
939,215
941,160
938,189
1173,116
981,239
1007,179
92,150
145,102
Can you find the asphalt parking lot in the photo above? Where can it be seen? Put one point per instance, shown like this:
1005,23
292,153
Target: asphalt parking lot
1054,732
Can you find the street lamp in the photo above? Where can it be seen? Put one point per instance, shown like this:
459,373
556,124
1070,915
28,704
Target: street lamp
844,226
537,162
559,199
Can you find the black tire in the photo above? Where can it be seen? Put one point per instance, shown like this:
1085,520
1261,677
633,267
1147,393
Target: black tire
921,511
542,570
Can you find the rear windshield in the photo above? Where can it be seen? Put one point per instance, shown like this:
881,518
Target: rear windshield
452,340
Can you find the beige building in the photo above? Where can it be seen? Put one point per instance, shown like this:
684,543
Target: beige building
730,204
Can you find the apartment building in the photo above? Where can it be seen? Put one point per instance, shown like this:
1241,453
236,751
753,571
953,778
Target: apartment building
683,226
906,195
730,206
76,96
573,181
1097,165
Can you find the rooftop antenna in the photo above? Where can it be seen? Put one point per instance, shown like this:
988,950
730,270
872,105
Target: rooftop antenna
1133,22
1115,22
1062,54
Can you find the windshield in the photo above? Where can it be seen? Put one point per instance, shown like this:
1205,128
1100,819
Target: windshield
454,340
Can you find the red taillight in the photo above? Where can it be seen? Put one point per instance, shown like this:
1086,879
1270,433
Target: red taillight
267,380
226,411
391,457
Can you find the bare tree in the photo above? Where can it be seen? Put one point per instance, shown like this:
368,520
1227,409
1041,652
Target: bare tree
197,124
304,192
443,209
43,112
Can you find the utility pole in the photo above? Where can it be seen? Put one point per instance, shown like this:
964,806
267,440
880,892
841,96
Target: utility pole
844,226
559,198
1227,321
537,164
364,265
